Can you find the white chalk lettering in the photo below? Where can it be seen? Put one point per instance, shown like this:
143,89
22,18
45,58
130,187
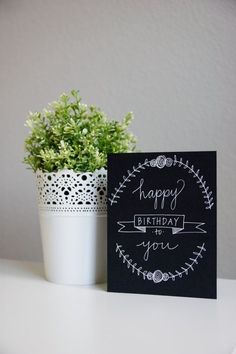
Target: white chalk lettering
160,195
153,246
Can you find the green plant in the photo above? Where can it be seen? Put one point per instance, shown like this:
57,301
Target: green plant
72,135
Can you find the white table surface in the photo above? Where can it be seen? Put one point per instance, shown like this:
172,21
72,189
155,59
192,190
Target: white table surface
38,317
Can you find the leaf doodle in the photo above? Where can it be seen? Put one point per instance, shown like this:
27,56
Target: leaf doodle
200,180
127,179
129,262
189,265
169,275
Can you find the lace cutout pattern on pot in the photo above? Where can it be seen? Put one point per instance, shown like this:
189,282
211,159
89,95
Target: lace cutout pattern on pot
69,192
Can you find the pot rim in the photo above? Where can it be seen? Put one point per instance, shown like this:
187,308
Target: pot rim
66,170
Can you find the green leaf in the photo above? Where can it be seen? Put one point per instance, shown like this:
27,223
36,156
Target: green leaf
70,134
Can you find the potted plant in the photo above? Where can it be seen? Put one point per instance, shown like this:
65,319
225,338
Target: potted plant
67,148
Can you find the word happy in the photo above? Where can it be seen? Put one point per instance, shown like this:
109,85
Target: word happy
160,196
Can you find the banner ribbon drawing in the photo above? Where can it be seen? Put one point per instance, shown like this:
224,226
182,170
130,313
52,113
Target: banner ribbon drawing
175,222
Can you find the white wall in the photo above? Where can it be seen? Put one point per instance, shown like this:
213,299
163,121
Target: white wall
173,62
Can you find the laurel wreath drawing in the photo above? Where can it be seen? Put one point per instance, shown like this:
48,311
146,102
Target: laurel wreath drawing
207,194
160,162
126,179
157,276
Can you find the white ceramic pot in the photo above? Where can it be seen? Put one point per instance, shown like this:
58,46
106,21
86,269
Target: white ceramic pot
72,211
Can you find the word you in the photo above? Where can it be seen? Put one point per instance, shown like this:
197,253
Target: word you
160,195
153,246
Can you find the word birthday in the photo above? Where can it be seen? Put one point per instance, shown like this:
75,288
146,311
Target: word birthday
155,220
153,246
160,195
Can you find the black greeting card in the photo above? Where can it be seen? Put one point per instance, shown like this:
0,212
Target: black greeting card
162,223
